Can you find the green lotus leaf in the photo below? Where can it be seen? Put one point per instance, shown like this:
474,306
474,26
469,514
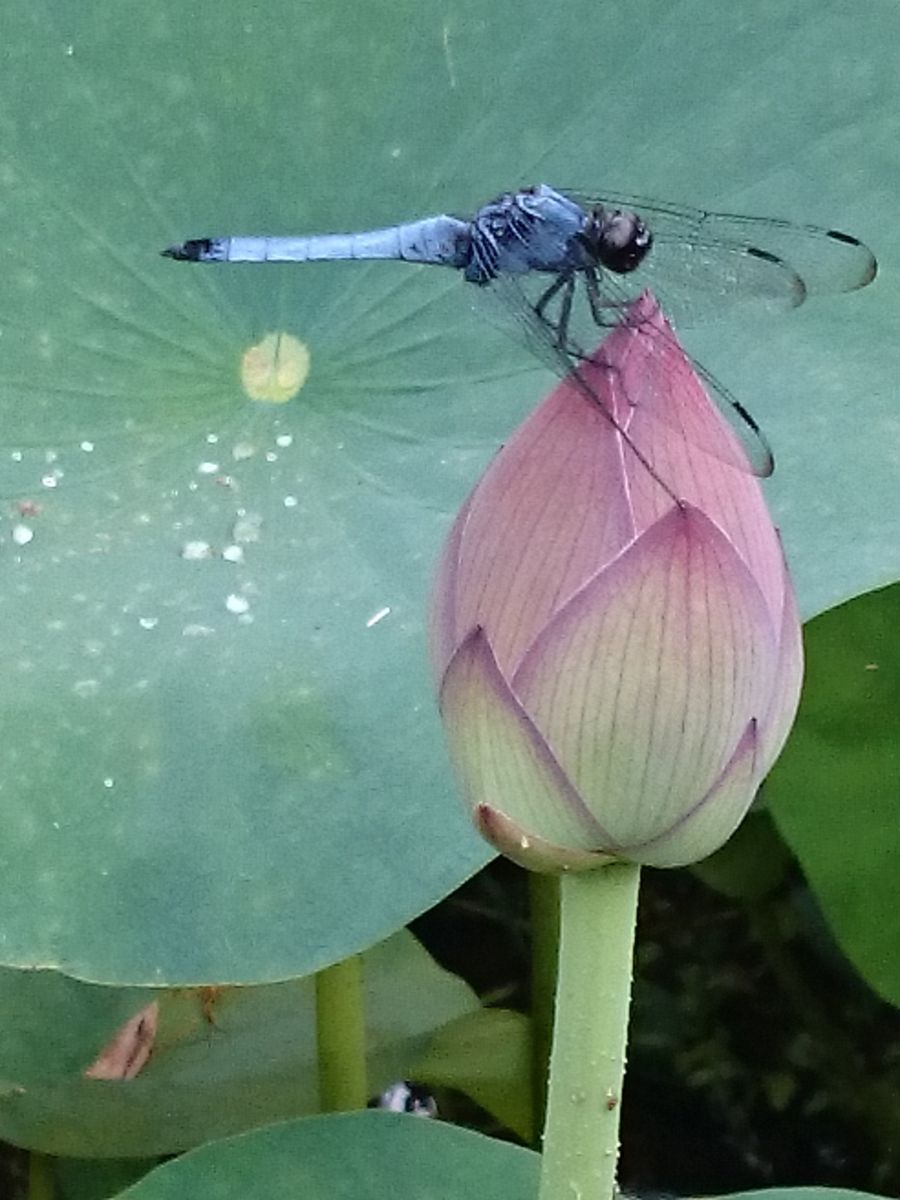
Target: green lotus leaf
225,488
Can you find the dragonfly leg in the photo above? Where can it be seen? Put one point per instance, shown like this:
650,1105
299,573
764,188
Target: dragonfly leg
565,312
600,308
548,295
564,283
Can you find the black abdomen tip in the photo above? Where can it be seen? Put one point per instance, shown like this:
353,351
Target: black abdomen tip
197,250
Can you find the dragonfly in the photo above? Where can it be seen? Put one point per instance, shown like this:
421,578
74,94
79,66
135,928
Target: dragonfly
565,262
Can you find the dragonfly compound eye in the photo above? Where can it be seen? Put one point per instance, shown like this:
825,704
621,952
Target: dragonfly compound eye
623,241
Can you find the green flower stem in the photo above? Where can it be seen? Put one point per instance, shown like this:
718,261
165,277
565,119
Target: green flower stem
587,1067
41,1184
340,1035
543,895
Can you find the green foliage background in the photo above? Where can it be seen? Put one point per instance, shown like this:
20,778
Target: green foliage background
227,768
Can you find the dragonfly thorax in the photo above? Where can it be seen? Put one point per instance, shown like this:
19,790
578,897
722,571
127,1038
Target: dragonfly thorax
536,229
617,240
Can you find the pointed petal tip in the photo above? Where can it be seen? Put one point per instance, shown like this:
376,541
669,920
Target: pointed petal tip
473,653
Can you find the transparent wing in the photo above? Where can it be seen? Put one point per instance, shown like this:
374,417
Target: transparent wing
510,297
702,262
519,298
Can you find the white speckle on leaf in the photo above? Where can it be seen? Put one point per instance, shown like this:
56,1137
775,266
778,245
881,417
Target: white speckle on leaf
237,604
196,550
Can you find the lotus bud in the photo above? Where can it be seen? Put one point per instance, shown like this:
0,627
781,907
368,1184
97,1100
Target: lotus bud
617,668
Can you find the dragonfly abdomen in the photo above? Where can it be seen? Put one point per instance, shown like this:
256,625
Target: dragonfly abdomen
440,240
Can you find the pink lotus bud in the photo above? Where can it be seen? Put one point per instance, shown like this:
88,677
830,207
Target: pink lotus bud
617,671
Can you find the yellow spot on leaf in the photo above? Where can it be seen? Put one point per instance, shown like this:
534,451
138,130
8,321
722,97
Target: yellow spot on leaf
275,369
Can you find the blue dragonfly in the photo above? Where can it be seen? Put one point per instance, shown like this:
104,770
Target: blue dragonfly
564,263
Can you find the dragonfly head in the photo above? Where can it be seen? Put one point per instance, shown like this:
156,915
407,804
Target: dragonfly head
618,240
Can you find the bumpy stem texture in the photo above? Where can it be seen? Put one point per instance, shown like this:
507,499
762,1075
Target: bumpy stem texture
543,893
587,1067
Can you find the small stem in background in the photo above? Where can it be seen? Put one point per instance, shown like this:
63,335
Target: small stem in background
41,1183
340,1036
543,895
587,1068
